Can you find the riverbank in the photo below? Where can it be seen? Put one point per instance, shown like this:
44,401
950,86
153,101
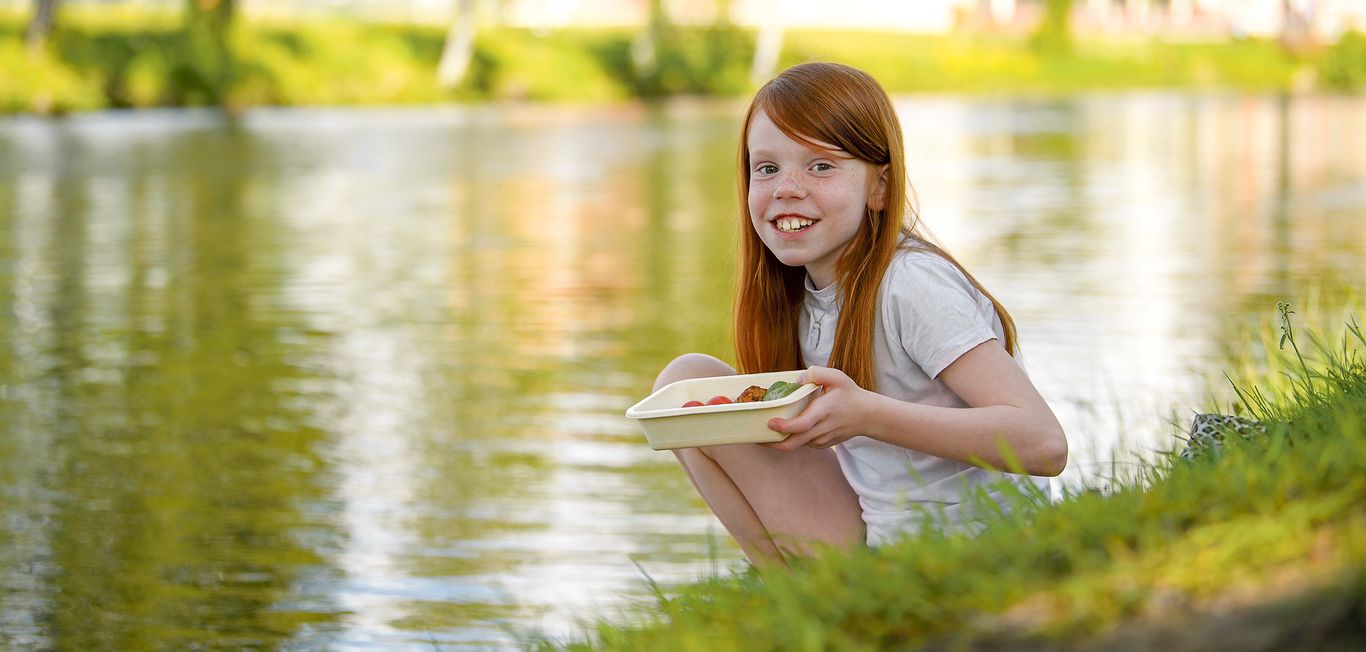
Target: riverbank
100,59
1261,546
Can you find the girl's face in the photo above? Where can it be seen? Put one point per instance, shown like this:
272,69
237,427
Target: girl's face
806,203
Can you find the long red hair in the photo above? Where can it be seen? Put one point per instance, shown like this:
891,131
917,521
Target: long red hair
845,107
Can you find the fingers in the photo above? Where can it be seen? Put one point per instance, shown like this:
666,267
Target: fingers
800,431
799,424
809,428
808,440
813,374
792,443
823,376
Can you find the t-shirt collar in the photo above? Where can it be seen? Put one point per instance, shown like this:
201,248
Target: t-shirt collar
826,296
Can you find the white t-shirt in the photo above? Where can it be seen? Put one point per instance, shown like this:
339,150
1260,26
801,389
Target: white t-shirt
929,314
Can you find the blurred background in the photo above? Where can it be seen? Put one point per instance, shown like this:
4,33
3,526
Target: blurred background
318,318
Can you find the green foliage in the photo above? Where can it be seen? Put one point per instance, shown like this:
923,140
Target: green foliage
904,63
204,69
143,82
1248,63
41,83
1344,66
516,64
103,57
329,63
1270,533
1053,36
700,61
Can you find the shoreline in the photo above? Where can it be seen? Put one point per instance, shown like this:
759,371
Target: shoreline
113,60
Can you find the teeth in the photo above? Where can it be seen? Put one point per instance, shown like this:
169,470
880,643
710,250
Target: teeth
790,224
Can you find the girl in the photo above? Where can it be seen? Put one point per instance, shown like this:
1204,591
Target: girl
915,358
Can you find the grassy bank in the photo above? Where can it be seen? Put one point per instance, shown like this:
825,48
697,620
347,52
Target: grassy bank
111,58
1261,546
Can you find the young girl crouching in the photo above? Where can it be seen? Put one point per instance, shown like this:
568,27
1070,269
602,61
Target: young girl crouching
915,358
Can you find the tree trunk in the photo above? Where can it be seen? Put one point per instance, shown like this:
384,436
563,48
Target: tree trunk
215,14
766,51
1295,23
768,46
645,46
455,56
44,17
208,54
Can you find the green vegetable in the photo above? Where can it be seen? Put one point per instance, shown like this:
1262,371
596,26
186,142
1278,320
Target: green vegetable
780,389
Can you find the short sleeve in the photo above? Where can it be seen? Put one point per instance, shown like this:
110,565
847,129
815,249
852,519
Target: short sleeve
936,312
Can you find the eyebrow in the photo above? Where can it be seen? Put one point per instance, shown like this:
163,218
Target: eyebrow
837,153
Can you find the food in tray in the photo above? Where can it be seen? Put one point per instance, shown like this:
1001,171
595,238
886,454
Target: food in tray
667,426
780,389
752,394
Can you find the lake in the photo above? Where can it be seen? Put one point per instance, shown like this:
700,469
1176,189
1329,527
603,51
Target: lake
356,378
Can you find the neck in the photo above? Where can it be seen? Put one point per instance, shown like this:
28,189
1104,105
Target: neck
820,275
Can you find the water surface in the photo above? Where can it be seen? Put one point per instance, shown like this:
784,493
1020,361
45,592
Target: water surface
355,378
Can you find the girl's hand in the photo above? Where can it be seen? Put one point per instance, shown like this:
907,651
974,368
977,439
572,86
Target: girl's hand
832,418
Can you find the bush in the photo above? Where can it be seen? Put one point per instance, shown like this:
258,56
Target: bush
701,61
329,63
39,82
143,82
517,64
1053,37
1344,66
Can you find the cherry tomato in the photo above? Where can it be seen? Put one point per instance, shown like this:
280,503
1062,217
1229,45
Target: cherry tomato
719,400
694,404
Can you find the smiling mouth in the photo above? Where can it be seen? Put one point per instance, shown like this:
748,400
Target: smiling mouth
792,223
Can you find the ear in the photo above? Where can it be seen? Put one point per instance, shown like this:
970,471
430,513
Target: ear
877,193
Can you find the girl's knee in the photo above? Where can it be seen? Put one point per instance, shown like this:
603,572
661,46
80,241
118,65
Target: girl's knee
692,365
685,455
731,454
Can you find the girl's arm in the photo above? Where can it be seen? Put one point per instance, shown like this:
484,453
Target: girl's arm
1006,413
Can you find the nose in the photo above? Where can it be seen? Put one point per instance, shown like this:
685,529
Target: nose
788,186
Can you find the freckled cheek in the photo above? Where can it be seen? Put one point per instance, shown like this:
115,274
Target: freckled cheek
845,196
757,203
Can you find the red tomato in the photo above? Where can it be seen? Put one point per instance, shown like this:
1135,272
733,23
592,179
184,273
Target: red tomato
719,400
693,404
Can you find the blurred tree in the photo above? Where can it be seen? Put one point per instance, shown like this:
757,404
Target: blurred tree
44,17
1343,67
645,46
1053,36
1296,25
769,45
206,70
668,59
455,56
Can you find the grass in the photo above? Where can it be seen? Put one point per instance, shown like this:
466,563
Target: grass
1261,545
994,64
117,57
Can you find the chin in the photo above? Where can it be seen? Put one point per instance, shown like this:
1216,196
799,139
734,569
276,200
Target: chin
791,261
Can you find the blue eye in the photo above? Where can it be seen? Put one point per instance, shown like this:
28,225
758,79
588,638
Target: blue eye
767,168
822,167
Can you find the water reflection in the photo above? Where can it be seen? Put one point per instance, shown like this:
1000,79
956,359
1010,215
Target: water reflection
1129,234
334,377
153,483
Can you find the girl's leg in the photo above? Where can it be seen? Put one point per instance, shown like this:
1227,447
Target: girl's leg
775,504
